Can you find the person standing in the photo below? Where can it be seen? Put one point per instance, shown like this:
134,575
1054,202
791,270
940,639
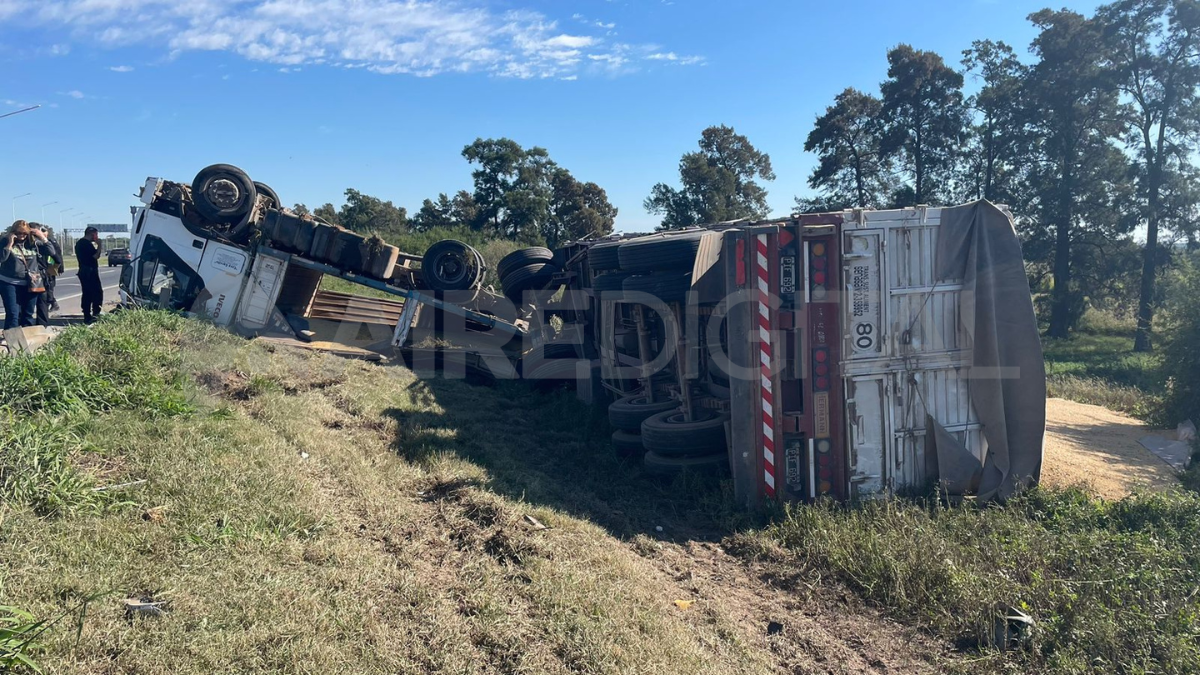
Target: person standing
50,260
87,251
20,274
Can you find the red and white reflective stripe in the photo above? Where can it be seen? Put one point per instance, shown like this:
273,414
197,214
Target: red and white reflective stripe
763,276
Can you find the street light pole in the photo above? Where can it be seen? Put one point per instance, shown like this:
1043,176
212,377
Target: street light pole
44,211
15,203
60,215
18,112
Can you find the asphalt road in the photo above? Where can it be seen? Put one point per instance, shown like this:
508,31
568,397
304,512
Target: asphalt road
68,292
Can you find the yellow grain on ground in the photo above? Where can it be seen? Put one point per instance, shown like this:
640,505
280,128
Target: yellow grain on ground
1098,447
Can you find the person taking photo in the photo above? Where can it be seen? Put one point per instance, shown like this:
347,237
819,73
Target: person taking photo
21,276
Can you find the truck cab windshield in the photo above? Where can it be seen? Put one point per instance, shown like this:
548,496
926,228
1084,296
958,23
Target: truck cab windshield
164,279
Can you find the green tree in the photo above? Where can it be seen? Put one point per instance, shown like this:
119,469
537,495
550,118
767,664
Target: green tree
1073,103
851,170
364,213
999,144
718,183
301,209
923,103
523,194
434,214
512,186
328,213
576,210
1154,47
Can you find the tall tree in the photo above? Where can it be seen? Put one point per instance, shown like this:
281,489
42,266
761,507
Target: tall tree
434,214
1154,46
577,210
300,208
1000,139
923,103
328,213
718,182
447,211
1073,101
364,213
512,186
847,138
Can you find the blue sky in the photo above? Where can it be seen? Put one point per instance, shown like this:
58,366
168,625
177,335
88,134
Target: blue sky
314,96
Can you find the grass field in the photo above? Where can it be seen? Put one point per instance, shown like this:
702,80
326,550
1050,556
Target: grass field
292,512
1097,365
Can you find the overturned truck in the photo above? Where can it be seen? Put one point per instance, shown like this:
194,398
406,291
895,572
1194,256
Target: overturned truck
845,355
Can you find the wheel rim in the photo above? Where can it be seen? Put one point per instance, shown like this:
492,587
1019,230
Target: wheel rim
223,193
452,267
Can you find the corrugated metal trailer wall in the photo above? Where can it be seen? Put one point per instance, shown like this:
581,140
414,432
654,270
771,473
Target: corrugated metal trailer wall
854,343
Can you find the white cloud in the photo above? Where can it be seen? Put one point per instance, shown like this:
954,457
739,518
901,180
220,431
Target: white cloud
418,37
675,58
121,69
75,94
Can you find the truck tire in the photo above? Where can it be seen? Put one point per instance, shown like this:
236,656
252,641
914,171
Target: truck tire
669,434
605,256
265,190
223,193
670,467
521,258
609,281
628,413
659,252
627,444
666,286
450,265
534,276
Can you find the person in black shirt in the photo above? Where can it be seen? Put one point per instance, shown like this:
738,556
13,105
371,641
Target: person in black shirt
87,251
50,259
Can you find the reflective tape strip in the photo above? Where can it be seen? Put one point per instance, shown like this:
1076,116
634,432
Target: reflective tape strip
763,280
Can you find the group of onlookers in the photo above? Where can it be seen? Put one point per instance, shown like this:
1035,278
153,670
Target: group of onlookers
30,262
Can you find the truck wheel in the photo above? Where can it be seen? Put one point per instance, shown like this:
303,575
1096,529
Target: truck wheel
609,282
223,193
671,435
628,413
627,444
666,286
604,256
659,252
530,277
265,190
670,467
522,257
450,265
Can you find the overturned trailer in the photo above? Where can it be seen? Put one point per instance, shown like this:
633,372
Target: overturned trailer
844,355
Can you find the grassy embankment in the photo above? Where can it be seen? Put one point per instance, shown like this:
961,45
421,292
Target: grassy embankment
309,514
306,514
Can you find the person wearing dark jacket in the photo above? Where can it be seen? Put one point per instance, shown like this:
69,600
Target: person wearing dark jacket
50,260
18,257
87,251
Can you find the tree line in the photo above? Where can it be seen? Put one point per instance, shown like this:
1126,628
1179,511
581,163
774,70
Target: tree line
1090,137
518,194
